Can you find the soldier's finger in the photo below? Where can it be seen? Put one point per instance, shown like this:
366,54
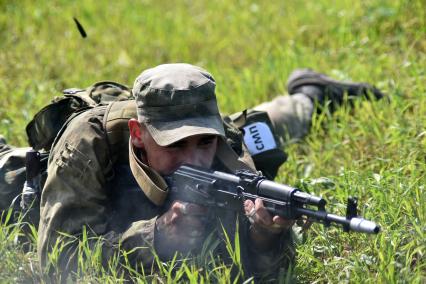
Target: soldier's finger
282,223
248,206
187,208
194,209
262,215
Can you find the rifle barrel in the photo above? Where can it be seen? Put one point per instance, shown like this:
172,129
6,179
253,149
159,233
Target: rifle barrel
355,224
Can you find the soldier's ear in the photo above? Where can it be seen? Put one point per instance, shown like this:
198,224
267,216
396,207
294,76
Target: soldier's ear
136,133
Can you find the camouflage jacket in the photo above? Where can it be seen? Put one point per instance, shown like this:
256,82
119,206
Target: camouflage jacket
86,189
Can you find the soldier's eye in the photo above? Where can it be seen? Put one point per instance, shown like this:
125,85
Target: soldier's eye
207,140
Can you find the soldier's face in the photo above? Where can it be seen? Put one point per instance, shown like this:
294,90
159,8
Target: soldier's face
198,150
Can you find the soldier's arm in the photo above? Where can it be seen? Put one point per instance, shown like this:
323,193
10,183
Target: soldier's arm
270,243
75,196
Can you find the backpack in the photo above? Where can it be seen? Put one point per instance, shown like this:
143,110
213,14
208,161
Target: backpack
47,123
23,171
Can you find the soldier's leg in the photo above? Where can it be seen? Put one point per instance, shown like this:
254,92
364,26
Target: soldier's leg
291,115
271,125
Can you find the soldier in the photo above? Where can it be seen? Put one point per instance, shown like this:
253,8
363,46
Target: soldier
123,197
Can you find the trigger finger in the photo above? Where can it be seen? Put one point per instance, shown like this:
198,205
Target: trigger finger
192,209
283,223
262,213
248,206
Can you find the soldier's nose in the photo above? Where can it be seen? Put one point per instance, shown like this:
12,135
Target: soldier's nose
191,158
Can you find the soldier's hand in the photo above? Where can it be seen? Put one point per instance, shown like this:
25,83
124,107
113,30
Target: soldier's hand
265,228
181,228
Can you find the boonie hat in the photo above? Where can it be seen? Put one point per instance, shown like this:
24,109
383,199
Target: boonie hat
176,101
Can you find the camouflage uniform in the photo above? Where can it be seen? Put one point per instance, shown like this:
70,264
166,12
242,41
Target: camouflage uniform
86,187
12,173
91,185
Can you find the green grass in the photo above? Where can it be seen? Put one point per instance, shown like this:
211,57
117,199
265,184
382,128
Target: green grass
376,151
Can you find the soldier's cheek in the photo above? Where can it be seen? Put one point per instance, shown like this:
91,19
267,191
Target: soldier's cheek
172,162
163,163
206,157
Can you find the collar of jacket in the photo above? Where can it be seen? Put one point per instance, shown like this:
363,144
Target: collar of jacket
231,160
151,182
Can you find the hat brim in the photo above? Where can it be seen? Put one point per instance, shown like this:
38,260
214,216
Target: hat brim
166,133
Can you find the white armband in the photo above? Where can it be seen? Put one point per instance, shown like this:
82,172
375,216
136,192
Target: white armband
258,138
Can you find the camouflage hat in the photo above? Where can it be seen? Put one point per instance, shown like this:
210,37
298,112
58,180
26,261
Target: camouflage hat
176,101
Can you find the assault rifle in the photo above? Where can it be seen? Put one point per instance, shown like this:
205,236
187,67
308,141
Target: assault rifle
228,191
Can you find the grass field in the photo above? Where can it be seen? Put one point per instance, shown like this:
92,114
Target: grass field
376,151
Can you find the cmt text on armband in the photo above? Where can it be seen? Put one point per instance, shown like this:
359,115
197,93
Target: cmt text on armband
258,138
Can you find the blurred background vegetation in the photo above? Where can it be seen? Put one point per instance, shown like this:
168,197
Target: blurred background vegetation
377,152
249,46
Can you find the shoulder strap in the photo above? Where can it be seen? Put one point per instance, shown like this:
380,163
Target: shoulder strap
117,133
116,128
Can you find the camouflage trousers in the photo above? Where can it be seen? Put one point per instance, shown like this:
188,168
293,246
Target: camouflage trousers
290,115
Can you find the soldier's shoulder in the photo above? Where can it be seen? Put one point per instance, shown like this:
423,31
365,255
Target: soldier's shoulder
84,128
90,119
